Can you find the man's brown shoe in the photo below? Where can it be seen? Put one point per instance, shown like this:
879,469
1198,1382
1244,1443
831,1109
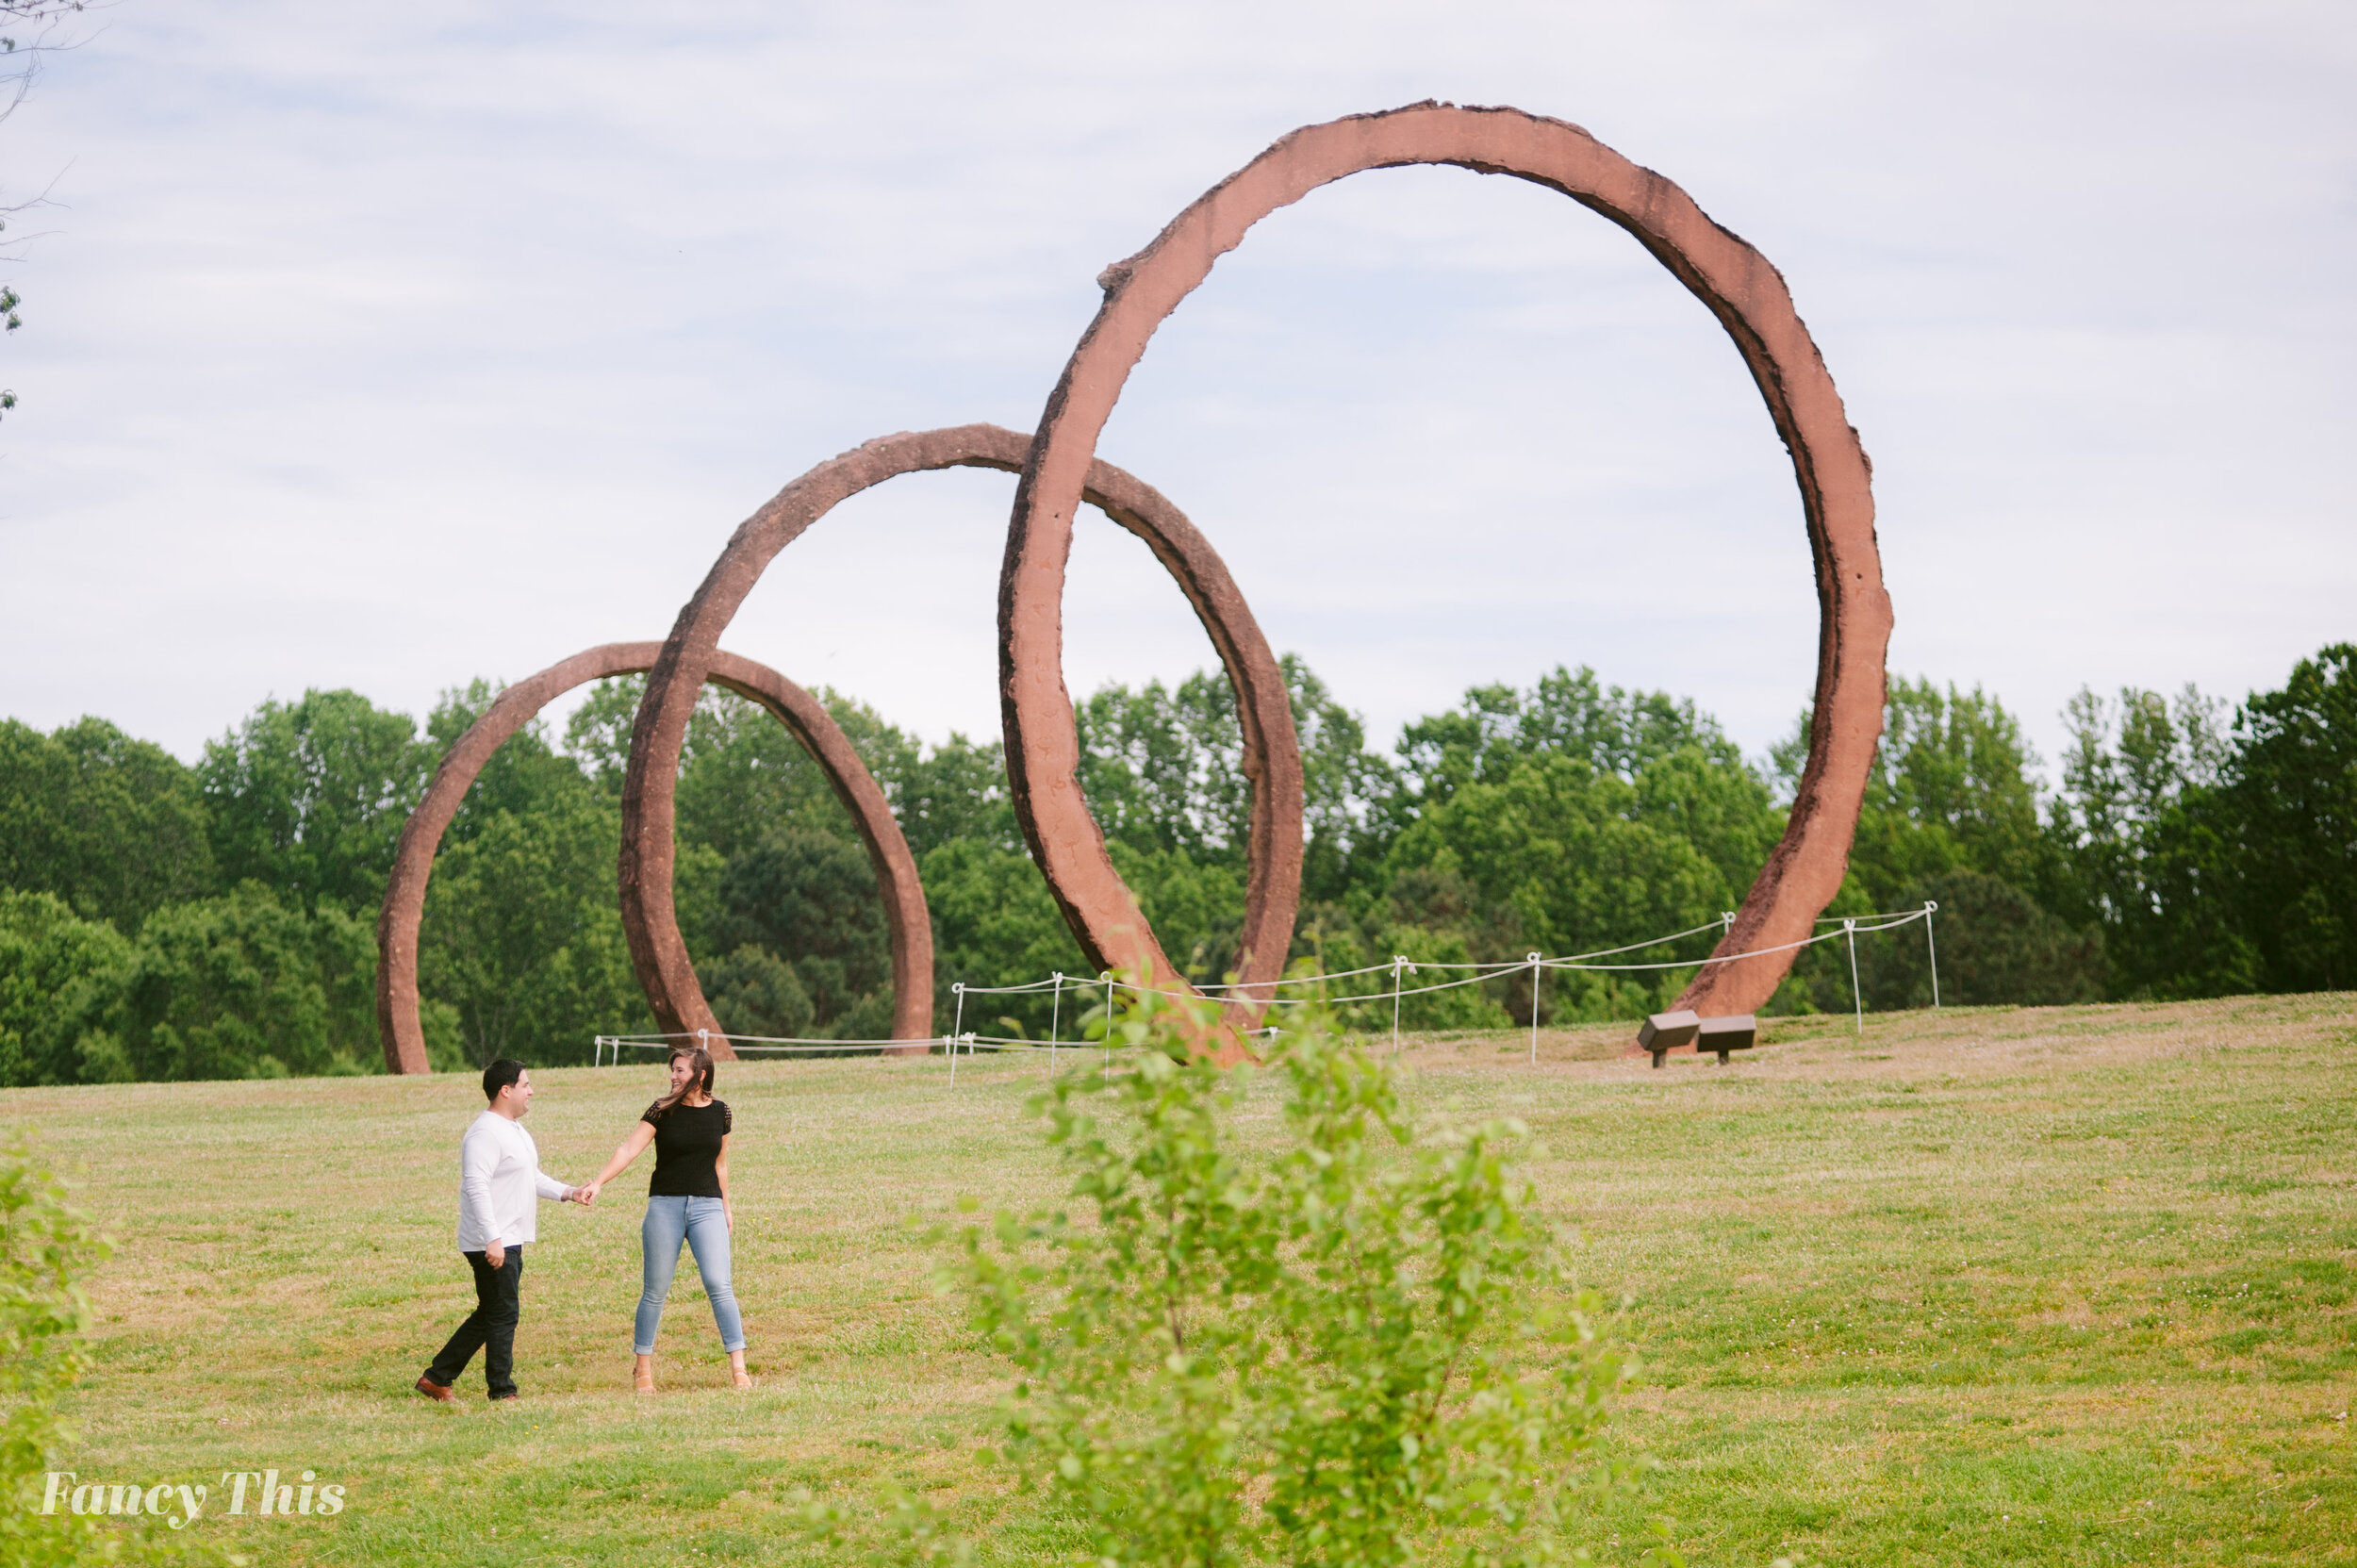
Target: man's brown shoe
432,1390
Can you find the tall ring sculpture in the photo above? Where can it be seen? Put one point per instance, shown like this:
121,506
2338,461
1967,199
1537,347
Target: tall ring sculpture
1733,280
1110,938
911,926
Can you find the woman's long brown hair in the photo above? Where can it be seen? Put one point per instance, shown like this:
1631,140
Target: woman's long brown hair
699,1064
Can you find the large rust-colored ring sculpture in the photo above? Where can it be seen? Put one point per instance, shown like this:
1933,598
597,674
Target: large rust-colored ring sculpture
1272,752
1742,290
905,914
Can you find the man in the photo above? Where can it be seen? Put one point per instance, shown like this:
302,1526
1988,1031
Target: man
499,1178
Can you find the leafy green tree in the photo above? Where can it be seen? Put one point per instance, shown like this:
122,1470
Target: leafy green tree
597,735
1953,792
1580,863
808,899
1953,788
250,986
1164,772
956,791
1343,787
776,897
1432,940
309,798
2292,805
522,939
1996,946
1360,1347
63,980
1570,714
1571,817
2129,764
753,991
746,775
519,778
995,923
1195,907
2144,826
114,826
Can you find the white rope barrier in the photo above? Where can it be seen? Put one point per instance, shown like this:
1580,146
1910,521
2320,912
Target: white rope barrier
1852,926
1400,965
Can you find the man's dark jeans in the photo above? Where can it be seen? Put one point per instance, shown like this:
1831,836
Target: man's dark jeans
491,1327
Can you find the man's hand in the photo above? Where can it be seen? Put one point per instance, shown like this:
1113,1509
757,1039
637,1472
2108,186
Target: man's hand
589,1194
494,1255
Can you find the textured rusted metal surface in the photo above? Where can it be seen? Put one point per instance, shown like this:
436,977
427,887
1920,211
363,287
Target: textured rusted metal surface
1111,930
1734,282
413,861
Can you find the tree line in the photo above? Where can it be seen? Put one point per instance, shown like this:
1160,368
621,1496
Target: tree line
163,920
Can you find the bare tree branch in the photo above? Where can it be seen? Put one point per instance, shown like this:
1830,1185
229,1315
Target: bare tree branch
20,62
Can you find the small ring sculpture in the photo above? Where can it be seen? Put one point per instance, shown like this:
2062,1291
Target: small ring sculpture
1736,284
911,926
1112,937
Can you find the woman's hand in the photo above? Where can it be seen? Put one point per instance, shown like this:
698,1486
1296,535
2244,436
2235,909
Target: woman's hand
728,1212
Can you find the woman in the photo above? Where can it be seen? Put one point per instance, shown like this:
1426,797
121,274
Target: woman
689,1199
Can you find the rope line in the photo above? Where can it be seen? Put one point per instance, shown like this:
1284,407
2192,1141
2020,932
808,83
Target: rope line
1492,970
1848,928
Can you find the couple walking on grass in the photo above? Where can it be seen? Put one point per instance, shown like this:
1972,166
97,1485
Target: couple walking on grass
500,1180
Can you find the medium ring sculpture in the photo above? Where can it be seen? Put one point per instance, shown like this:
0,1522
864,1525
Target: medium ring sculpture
1746,294
1272,751
911,926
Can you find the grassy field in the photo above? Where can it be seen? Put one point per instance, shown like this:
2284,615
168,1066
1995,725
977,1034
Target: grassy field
2057,1286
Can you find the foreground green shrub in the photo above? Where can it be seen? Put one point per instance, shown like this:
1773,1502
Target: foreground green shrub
46,1248
1355,1348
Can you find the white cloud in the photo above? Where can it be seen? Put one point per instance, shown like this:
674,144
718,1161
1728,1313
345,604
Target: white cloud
392,348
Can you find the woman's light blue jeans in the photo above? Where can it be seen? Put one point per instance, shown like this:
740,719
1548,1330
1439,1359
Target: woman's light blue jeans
703,1225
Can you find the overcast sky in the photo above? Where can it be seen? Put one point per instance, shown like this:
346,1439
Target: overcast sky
387,347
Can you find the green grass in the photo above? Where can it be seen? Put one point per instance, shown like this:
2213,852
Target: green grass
2052,1285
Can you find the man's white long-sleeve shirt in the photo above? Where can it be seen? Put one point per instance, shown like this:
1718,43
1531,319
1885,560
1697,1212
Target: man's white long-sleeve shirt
499,1176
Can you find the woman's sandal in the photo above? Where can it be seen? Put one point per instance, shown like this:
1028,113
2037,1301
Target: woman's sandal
744,1380
642,1382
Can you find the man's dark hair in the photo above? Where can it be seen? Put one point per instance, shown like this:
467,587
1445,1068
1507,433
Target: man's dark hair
499,1075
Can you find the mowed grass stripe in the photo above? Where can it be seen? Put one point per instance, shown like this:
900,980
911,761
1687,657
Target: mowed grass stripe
2027,1285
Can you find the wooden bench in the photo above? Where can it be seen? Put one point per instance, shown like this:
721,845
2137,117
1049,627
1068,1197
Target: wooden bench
1725,1034
1665,1031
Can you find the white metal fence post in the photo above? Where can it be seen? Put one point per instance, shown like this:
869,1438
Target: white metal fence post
1399,961
1932,947
1055,1021
1857,998
1535,972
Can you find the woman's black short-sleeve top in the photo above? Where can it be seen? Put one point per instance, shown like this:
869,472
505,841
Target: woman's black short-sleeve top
686,1142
